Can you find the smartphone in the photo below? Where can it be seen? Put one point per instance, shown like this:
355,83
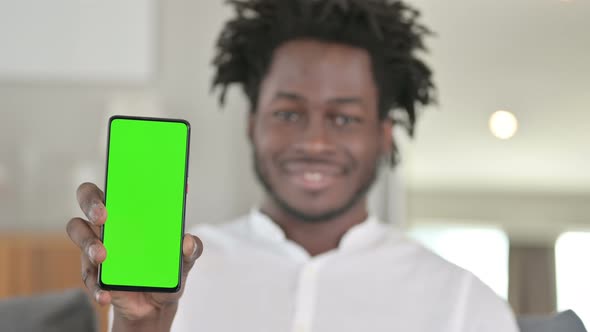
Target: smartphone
145,198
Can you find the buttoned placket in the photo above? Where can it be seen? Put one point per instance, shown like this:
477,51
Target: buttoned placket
306,294
306,285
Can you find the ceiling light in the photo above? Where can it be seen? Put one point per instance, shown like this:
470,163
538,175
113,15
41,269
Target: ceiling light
503,124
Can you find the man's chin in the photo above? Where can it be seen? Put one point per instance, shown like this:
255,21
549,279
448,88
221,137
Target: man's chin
308,214
310,209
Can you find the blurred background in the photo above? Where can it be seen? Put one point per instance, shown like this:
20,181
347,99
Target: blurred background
505,195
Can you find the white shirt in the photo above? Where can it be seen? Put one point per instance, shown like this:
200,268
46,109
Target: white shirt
250,278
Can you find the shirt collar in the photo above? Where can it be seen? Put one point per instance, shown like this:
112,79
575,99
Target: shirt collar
362,235
262,226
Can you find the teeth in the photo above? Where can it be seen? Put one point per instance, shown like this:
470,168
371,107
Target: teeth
313,176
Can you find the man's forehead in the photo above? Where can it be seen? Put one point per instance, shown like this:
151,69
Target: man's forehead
313,53
311,65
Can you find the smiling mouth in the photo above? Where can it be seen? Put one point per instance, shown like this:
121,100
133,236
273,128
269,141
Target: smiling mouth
312,180
313,176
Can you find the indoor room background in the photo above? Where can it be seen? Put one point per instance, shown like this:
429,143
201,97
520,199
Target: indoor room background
507,197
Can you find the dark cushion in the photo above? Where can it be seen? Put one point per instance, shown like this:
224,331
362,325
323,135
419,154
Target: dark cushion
566,321
56,312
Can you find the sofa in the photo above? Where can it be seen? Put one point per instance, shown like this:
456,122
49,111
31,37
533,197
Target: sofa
72,311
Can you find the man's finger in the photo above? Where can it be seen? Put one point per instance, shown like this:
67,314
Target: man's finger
89,275
84,237
192,248
91,201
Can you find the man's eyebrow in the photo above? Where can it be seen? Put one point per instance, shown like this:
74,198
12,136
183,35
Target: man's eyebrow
290,96
348,100
336,100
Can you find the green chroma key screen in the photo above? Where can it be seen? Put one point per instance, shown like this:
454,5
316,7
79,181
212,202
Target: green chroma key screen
145,190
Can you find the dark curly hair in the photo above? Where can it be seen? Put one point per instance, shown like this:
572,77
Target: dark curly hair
389,30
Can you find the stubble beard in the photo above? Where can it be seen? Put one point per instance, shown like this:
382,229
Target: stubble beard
326,216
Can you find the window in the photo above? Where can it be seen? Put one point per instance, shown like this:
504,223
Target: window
479,249
573,273
71,40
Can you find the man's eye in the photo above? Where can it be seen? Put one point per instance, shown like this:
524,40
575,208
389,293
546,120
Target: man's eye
344,120
288,116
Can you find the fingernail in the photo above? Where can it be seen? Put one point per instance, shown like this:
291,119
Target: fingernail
195,247
92,251
95,212
97,296
92,213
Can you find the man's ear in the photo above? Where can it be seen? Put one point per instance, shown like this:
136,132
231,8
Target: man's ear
386,137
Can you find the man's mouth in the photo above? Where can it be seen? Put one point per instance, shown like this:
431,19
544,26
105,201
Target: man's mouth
312,181
313,176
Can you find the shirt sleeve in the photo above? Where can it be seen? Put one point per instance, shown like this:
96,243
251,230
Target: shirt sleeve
486,311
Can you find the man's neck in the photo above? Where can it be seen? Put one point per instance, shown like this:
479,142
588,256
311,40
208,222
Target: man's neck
320,236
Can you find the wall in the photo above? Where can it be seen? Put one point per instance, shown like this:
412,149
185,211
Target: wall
527,217
52,132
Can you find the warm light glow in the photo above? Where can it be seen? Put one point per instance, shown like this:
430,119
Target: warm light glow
503,124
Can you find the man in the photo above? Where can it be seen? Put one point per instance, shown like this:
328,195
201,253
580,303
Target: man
323,78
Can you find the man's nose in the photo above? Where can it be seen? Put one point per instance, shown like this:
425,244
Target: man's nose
316,138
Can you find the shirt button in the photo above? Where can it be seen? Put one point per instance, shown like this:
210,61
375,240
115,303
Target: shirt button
309,272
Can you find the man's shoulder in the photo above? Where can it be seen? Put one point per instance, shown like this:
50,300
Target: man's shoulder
428,269
399,245
232,225
222,234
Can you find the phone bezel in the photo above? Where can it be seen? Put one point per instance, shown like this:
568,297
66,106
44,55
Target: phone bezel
130,288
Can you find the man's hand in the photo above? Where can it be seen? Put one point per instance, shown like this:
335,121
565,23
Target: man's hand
138,311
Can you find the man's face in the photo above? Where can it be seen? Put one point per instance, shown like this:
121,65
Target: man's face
316,134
